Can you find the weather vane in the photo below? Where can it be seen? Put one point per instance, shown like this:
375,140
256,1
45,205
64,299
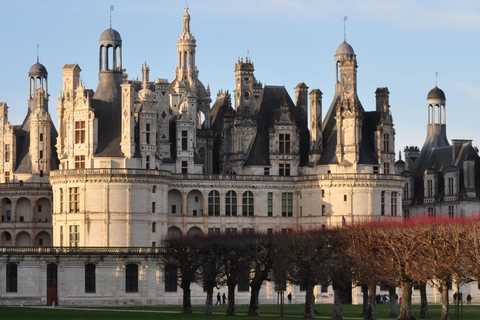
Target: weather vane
436,78
111,9
38,45
345,18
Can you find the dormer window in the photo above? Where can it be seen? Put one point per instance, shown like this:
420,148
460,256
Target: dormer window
284,143
79,131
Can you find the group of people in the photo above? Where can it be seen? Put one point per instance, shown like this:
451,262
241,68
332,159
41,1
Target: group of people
458,296
223,298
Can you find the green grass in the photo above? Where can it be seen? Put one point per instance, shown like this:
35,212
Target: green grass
291,312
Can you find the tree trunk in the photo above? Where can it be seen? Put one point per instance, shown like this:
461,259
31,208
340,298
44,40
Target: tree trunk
309,312
338,302
445,306
365,299
393,301
209,300
370,314
424,314
253,308
405,305
231,299
187,301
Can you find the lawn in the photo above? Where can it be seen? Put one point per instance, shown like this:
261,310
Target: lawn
173,312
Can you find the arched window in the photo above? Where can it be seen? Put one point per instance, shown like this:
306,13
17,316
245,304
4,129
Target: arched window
247,204
214,203
231,203
131,278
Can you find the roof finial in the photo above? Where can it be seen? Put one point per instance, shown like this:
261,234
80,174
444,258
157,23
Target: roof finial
38,45
436,78
111,9
345,18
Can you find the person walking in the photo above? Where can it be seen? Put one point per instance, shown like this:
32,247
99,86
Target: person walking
289,296
469,298
218,299
224,298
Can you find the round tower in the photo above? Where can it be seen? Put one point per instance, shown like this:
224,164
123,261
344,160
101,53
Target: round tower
437,124
38,80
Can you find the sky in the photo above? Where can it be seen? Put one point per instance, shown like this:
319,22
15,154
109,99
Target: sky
401,45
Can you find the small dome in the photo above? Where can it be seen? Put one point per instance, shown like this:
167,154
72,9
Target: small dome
37,69
344,48
436,93
110,36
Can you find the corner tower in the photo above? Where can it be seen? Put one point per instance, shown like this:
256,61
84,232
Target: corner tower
437,114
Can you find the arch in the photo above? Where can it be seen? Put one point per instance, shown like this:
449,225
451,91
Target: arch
195,203
174,202
6,209
214,203
194,232
43,210
23,239
23,211
43,239
248,204
174,232
6,239
231,203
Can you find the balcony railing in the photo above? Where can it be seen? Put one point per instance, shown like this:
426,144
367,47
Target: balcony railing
81,250
25,185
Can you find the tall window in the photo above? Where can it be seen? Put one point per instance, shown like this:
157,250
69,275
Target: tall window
406,191
231,203
429,188
247,204
41,154
214,203
74,236
60,196
170,278
382,203
184,166
451,212
386,167
270,204
7,153
154,227
147,133
90,278
79,131
284,169
61,236
11,285
154,207
393,203
74,199
131,278
386,142
184,140
52,274
430,212
406,213
79,162
284,143
287,204
450,187
7,176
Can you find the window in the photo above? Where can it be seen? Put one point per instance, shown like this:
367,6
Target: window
429,188
393,203
450,187
147,133
41,154
406,191
7,176
284,143
11,285
270,231
287,204
247,204
430,212
170,278
7,153
74,199
266,171
154,189
231,203
79,131
270,204
382,203
41,137
39,208
214,203
184,166
61,236
451,212
386,143
406,213
147,162
41,173
154,207
60,195
184,140
284,169
248,230
213,230
174,209
324,288
74,236
154,227
344,197
386,167
79,162
52,269
131,278
323,193
324,210
90,278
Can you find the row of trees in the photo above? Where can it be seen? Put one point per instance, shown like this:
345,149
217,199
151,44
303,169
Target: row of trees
435,252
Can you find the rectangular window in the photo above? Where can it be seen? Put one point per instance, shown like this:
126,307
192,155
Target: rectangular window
184,166
324,210
61,236
430,212
451,212
39,208
287,204
450,187
386,168
131,278
386,143
41,154
11,285
74,199
393,203
270,231
324,288
184,140
174,209
284,169
41,137
406,192
344,197
230,230
429,188
406,213
323,193
154,227
7,176
170,278
270,204
74,236
79,132
79,162
382,204
266,171
52,269
154,207
284,143
147,133
60,195
90,278
7,153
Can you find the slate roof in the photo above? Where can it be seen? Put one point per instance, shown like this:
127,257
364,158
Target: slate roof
221,107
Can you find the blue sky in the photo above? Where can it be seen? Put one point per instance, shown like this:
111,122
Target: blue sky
399,45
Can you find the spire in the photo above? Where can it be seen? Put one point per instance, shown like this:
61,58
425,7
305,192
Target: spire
111,9
38,45
186,21
145,74
345,18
